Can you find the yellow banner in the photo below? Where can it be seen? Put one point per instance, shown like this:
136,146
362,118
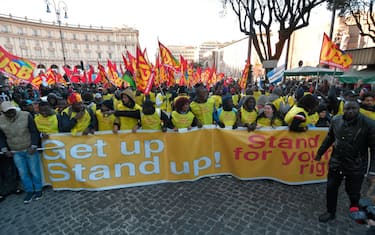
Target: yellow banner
106,161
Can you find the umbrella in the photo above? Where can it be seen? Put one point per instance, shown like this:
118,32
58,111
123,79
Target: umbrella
309,71
366,75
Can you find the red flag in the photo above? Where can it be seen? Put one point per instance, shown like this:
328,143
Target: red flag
90,73
101,76
132,63
245,75
68,72
76,75
144,75
167,58
113,75
16,67
331,55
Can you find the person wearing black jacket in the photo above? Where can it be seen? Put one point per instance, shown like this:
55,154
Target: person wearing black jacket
351,134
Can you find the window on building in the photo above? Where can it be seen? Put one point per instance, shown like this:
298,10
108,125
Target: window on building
75,46
110,55
74,36
35,32
20,31
52,54
99,55
87,46
86,37
24,52
5,29
22,42
49,33
76,55
50,44
98,46
38,53
108,38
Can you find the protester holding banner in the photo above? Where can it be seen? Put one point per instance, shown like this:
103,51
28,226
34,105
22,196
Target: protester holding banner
298,116
127,104
77,118
47,121
22,146
202,107
152,118
248,114
227,115
269,117
106,119
182,117
350,134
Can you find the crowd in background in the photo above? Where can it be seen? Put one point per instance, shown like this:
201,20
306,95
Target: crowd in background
86,108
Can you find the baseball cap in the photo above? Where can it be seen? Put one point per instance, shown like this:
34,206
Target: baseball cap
6,106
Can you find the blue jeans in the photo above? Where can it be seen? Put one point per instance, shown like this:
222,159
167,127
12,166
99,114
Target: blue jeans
28,166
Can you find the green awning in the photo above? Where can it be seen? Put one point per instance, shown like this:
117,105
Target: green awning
311,71
366,75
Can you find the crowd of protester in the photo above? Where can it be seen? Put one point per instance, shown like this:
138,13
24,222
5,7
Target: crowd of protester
83,109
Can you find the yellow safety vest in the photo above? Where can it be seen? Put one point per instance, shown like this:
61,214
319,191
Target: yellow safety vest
248,117
203,111
48,125
152,121
182,120
105,122
127,123
293,112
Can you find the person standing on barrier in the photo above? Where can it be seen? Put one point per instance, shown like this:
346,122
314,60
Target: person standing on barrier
19,139
351,134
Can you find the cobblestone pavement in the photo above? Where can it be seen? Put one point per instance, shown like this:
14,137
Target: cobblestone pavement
207,206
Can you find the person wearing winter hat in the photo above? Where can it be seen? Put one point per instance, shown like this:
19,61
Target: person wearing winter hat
152,118
261,101
127,104
88,101
19,138
324,116
76,118
297,117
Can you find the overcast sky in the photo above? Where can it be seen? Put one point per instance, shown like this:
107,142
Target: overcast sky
174,22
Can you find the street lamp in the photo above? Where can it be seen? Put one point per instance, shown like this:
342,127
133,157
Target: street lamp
60,6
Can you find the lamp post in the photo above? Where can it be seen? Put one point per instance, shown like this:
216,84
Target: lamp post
60,6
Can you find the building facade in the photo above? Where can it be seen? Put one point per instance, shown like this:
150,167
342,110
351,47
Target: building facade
47,42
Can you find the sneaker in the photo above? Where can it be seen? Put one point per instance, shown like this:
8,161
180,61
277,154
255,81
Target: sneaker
324,218
28,198
38,195
18,191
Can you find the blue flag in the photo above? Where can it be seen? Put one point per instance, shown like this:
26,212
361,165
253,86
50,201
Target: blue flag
276,74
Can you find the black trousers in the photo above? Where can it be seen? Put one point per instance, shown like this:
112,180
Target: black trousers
353,184
8,176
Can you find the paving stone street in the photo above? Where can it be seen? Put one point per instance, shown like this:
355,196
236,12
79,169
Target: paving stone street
206,206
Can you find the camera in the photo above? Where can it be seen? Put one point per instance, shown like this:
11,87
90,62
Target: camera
364,212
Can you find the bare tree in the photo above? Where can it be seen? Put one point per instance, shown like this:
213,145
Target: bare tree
362,12
260,18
